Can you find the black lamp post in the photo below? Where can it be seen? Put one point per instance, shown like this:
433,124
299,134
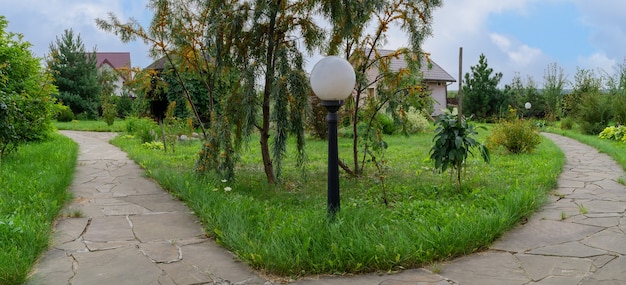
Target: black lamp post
528,106
332,80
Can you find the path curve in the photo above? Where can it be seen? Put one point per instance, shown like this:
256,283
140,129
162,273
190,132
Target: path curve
129,231
577,238
132,232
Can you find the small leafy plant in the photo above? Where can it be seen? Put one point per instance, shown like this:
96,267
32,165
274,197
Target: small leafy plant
617,133
454,141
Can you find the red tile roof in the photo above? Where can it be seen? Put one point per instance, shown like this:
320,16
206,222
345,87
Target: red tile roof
114,59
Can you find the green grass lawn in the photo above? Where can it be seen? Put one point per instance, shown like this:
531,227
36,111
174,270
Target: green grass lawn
284,230
33,183
90,125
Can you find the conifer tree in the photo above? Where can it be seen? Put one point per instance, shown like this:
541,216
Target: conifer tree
75,74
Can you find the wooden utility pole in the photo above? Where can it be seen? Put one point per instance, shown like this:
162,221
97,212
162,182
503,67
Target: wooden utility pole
459,97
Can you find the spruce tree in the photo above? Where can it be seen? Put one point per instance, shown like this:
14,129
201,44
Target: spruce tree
481,96
75,74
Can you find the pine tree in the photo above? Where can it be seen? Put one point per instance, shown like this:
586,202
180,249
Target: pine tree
481,96
75,74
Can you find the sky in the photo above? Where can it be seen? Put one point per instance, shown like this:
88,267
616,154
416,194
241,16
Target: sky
516,36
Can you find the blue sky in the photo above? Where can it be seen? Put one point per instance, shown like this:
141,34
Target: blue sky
516,36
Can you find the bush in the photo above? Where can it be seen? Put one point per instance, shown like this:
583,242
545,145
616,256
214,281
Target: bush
144,128
416,121
387,124
317,119
614,133
109,113
125,106
594,113
25,103
567,123
619,109
63,113
516,136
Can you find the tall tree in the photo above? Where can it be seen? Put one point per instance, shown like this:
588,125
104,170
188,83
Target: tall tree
481,96
359,30
75,74
234,45
554,81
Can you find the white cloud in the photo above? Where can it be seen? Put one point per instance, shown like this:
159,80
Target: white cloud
597,60
500,41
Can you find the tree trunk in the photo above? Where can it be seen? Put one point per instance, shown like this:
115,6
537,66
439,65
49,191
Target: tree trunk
355,136
267,91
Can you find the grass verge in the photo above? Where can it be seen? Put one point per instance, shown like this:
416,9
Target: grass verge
33,183
284,230
93,126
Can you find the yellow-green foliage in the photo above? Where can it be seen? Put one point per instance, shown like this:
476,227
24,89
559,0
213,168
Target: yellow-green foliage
516,136
617,133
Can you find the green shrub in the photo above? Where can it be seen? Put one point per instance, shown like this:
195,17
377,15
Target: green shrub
63,113
144,128
594,113
619,109
516,136
416,121
614,133
317,119
109,113
125,106
567,123
387,124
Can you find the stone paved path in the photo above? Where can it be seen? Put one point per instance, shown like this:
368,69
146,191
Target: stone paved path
577,238
132,232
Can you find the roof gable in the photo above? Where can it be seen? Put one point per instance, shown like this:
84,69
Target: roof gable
434,73
116,60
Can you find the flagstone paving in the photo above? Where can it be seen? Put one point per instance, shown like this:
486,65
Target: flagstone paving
129,231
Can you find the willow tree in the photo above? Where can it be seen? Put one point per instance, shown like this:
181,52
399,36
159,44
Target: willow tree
359,31
234,46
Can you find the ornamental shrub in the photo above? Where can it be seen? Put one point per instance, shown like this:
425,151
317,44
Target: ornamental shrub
516,136
617,133
416,121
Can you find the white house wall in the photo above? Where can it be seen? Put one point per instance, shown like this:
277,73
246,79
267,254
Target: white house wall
438,93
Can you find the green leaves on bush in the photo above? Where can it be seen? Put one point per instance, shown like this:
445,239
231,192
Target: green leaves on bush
25,103
454,142
617,133
516,136
144,128
63,113
567,123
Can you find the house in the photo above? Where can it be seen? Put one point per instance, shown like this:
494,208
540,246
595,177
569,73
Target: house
118,62
435,77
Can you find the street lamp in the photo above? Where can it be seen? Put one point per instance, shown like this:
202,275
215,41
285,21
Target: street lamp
527,106
332,80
